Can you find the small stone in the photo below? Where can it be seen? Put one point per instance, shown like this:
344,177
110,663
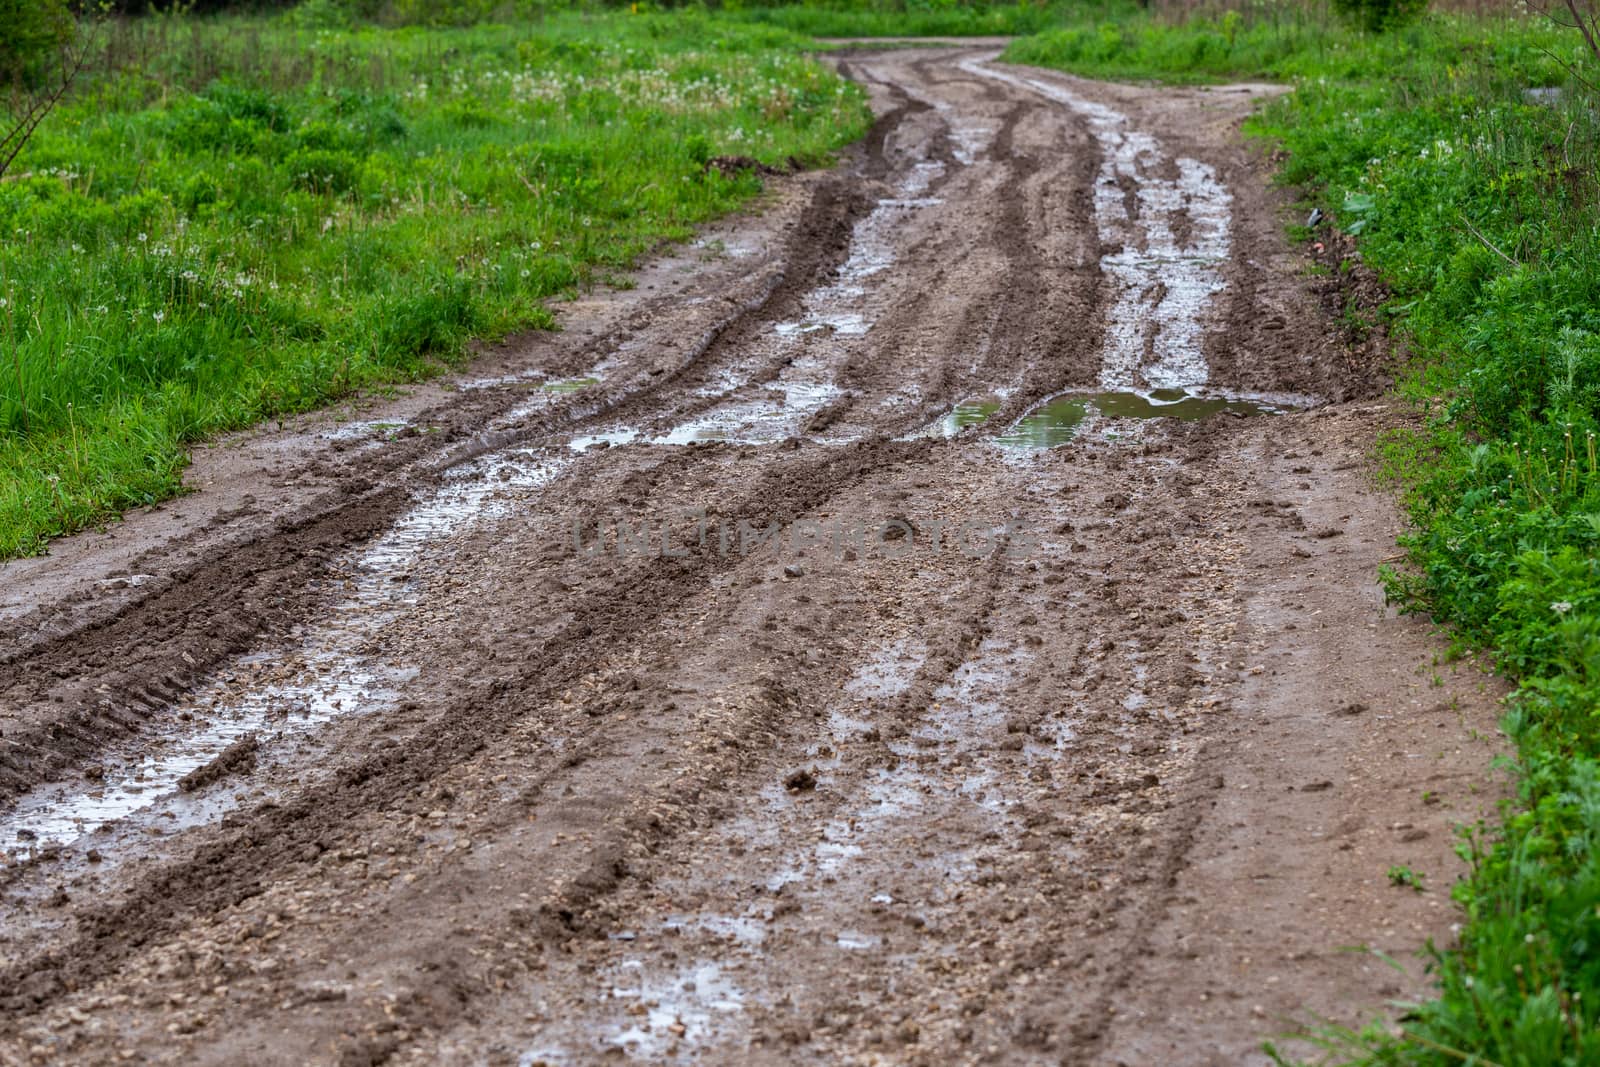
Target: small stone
800,781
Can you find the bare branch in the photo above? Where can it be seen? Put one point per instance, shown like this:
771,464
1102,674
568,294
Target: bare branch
1490,245
1584,27
31,108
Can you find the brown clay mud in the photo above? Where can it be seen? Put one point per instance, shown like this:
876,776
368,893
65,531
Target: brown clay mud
915,624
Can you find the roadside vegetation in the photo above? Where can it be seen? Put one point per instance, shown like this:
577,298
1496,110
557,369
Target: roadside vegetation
231,218
1463,151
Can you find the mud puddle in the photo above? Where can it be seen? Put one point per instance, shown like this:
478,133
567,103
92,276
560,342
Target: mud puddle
363,429
1062,417
670,1014
278,696
148,785
778,413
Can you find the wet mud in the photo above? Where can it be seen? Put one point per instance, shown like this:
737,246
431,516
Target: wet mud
917,623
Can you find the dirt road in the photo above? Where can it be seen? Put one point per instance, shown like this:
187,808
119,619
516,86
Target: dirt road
931,621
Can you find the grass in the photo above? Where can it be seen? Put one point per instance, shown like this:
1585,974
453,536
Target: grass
1288,43
1479,206
253,216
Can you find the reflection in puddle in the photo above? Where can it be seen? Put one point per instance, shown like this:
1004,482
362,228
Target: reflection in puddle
778,413
1058,419
604,439
1052,423
967,413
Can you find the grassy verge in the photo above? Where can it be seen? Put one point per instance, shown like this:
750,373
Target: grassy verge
1479,204
254,216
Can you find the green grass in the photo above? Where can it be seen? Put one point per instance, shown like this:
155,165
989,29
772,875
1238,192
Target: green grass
1480,208
1288,44
253,217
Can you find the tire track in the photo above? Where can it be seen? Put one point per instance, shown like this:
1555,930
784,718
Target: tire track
926,790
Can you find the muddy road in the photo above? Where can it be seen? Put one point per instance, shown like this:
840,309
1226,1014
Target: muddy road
931,620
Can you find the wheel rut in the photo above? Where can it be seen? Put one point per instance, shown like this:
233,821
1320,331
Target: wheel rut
877,637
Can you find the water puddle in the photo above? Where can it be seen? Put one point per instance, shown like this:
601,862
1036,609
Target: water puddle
361,429
669,1016
683,1008
744,929
604,439
847,323
965,414
1059,419
532,378
855,940
831,316
778,413
888,672
568,385
545,393
328,686
943,761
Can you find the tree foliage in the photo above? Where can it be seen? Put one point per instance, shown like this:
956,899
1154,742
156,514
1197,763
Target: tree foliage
32,32
1376,16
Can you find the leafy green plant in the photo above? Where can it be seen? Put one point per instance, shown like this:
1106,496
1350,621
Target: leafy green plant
1404,876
